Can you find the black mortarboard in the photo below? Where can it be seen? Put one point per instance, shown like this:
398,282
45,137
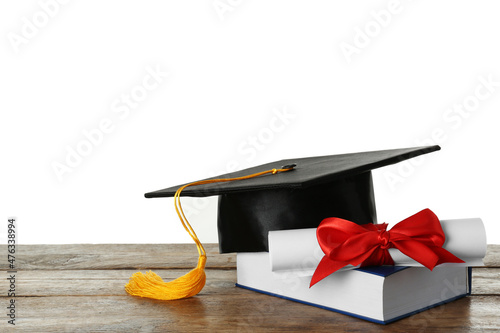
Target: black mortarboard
317,188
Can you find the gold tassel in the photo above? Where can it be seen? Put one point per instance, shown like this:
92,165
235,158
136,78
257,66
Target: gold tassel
151,285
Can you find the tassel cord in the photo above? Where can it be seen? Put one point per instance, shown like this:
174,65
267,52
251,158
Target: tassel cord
151,285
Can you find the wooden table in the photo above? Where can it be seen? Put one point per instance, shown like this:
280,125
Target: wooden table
79,288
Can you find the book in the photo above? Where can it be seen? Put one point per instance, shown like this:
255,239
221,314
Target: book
380,294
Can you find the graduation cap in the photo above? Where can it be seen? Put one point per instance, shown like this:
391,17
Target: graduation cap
288,194
315,188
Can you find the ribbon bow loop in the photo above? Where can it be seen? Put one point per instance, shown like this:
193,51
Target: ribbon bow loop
419,236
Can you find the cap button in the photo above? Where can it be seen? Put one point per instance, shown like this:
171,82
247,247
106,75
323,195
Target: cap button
289,166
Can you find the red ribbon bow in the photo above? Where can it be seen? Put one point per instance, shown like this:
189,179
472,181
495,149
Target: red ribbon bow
420,237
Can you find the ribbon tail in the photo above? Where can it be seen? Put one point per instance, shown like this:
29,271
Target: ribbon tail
446,256
326,267
428,255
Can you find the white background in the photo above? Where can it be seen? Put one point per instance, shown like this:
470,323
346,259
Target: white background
231,69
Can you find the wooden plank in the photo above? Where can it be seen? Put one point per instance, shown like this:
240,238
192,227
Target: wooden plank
243,312
492,258
115,256
485,281
137,256
102,282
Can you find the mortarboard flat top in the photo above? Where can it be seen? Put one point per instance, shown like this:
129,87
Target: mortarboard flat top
308,171
317,188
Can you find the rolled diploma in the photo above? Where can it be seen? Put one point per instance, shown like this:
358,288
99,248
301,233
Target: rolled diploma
297,251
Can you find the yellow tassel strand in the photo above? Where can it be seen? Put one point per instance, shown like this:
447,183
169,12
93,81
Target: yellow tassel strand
151,285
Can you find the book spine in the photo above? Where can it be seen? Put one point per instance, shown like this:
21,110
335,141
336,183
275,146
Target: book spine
469,280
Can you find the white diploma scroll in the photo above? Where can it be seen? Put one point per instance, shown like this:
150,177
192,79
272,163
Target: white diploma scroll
297,251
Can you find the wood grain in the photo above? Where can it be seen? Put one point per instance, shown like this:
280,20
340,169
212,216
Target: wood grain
80,288
101,282
115,256
244,311
492,258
